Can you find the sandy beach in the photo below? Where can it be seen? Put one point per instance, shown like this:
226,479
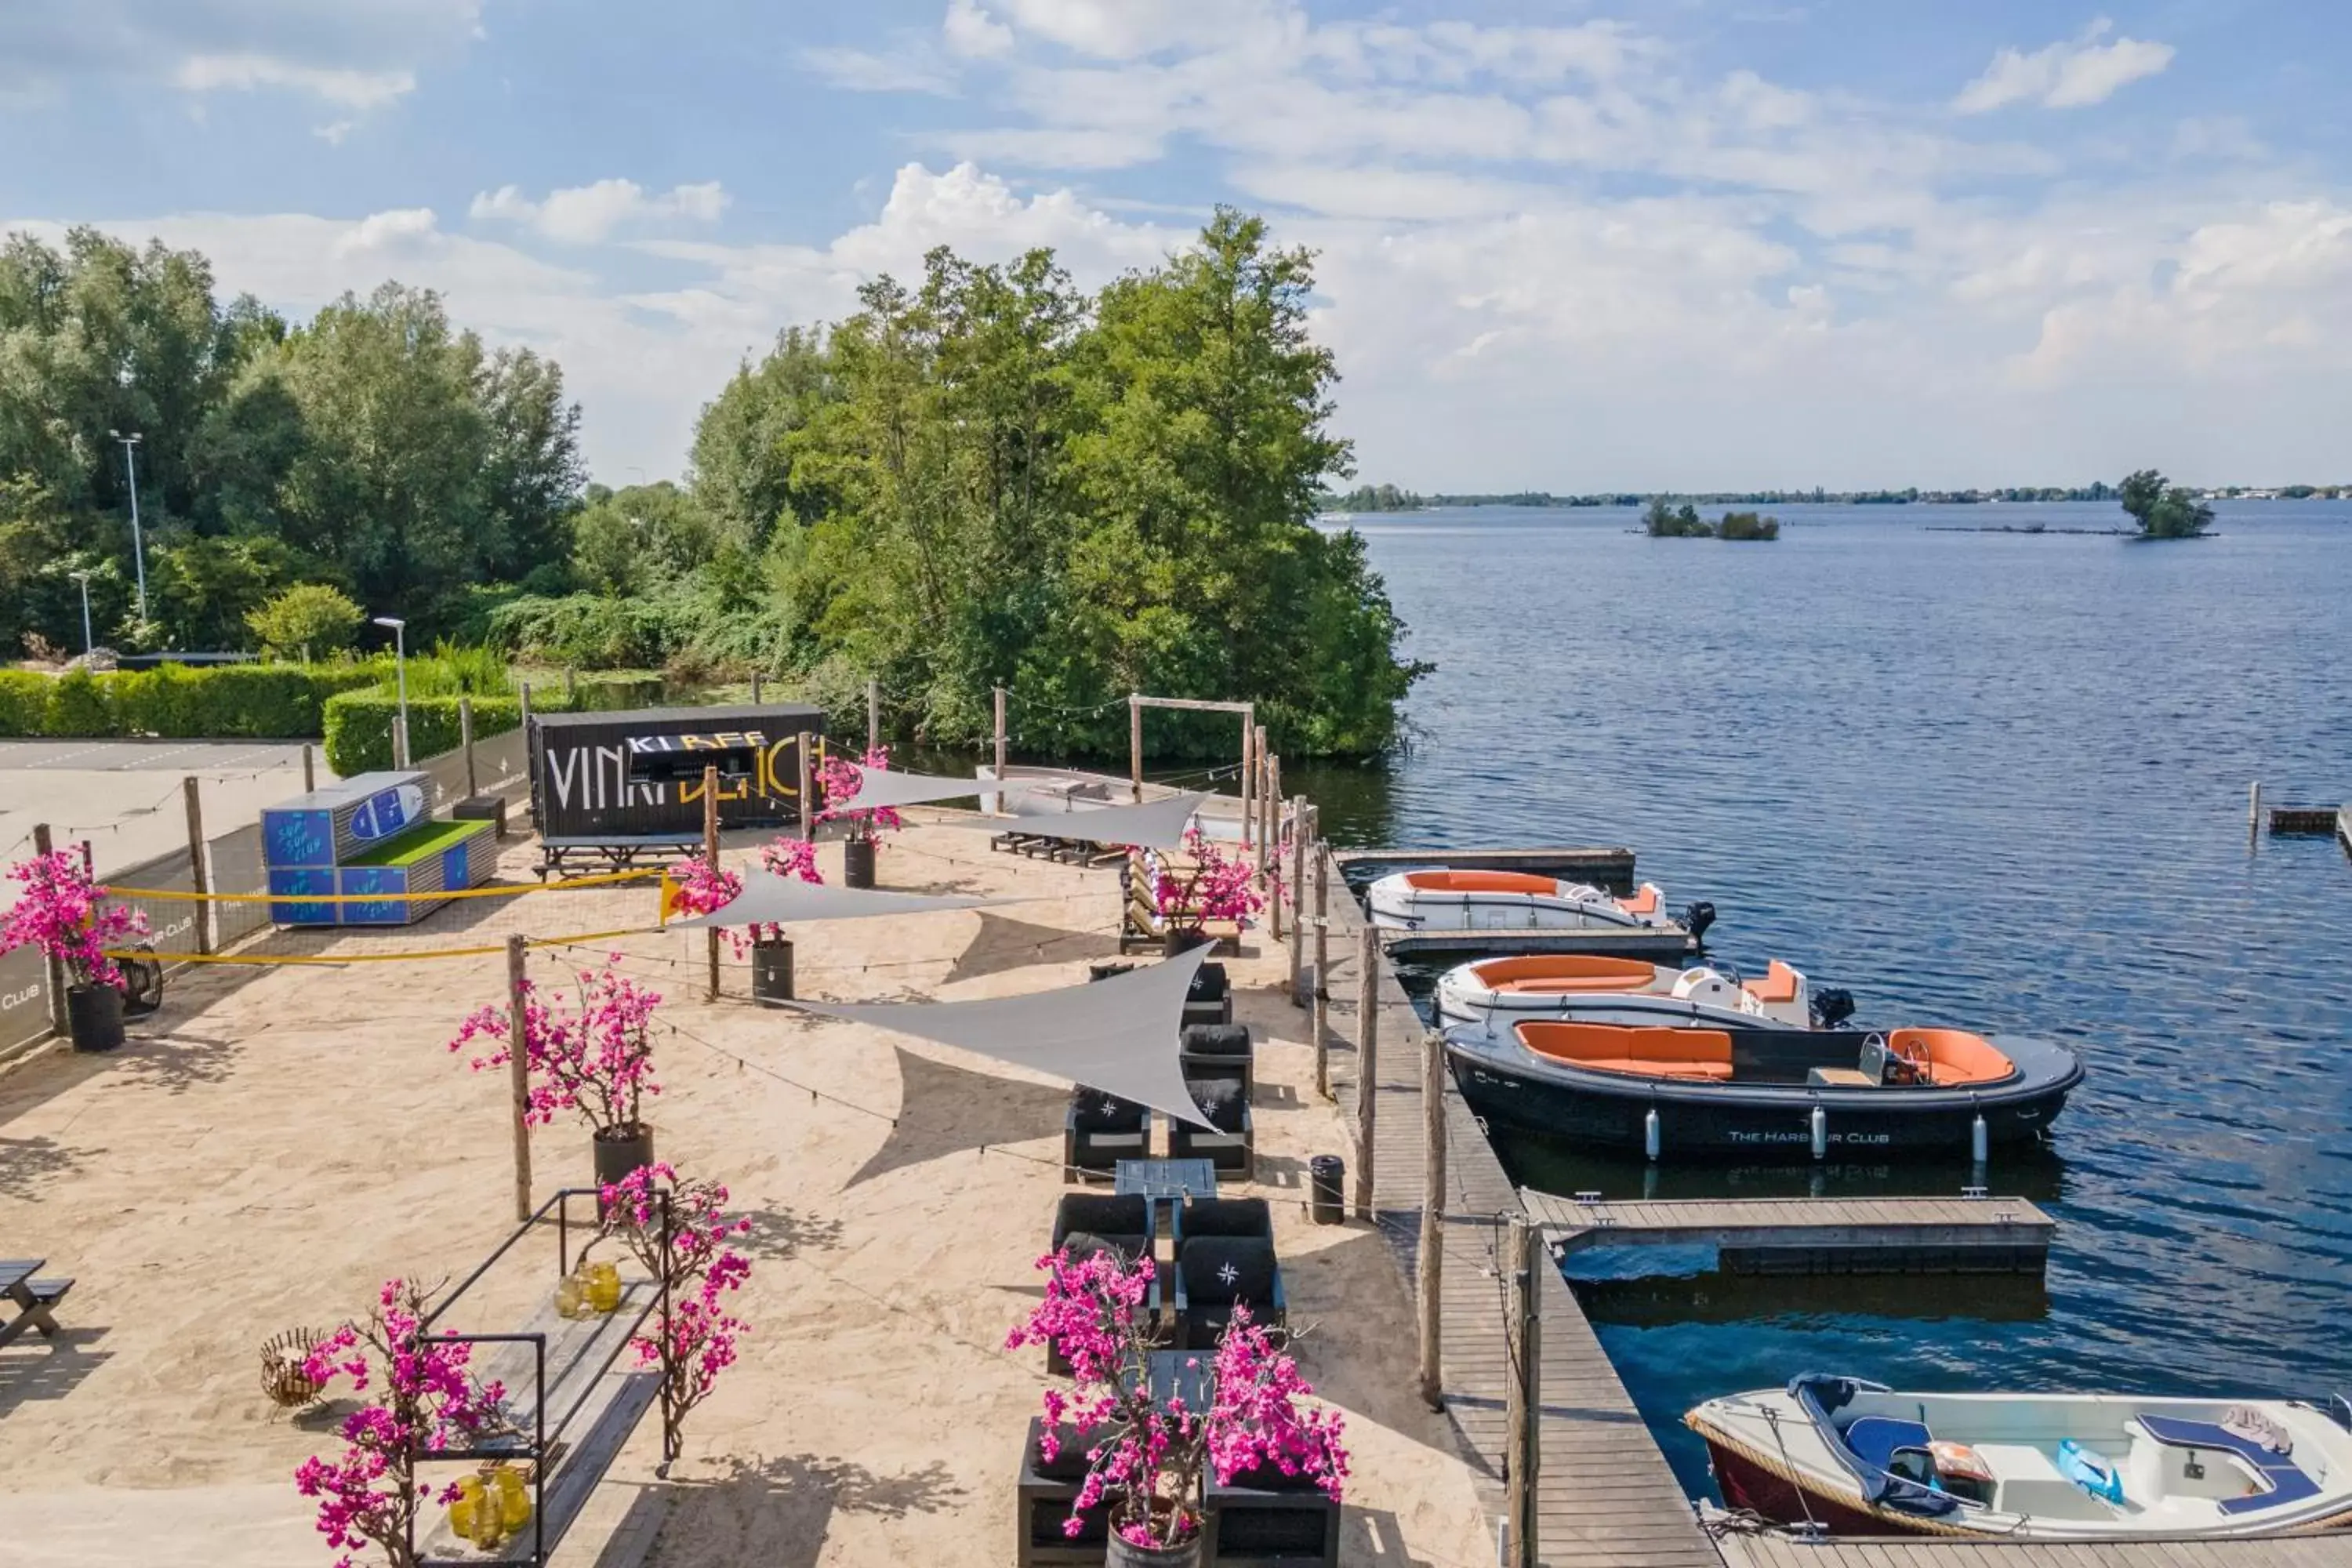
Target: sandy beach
279,1141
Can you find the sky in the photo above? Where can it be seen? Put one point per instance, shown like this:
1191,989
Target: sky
1647,245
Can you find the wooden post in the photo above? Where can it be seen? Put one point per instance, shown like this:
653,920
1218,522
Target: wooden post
518,1068
2254,808
1000,732
1432,1212
1249,738
199,874
1297,900
873,714
755,688
571,683
1135,746
1269,836
55,974
710,854
1368,1042
530,762
1318,1004
808,807
466,740
310,769
1522,1389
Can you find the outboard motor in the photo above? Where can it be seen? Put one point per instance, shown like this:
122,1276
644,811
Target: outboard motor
1831,1007
1697,917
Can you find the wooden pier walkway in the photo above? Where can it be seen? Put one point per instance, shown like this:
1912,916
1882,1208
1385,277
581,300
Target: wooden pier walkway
1879,1236
1742,1551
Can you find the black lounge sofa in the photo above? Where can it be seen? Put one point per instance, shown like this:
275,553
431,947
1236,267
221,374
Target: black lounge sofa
1219,1050
1249,1218
1100,1129
1211,998
1043,1500
1230,1141
1212,1274
1265,1518
1128,1223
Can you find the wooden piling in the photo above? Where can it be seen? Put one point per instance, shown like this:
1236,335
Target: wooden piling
1297,891
519,1068
200,878
310,768
2254,808
1249,761
1429,1283
755,688
466,741
711,852
55,974
1523,1390
1368,1075
808,807
1318,1004
873,714
1135,746
1000,732
530,762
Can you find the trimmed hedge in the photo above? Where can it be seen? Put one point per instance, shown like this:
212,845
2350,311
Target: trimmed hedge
178,702
359,727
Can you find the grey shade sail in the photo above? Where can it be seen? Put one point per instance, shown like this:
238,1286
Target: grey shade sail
885,786
1119,1036
768,898
1154,825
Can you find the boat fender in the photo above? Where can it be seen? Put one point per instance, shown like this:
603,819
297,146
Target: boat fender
1977,1140
2091,1471
1649,1134
1697,917
1820,1120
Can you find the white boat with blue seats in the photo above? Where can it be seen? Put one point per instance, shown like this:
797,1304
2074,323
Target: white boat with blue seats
1849,1457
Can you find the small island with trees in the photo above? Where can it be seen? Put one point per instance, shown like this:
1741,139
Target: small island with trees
1665,521
2163,510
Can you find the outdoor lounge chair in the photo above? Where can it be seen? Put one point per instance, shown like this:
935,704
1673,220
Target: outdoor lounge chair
1224,1216
1100,1129
1230,1144
1042,1504
1210,999
1219,1050
1265,1518
1086,1222
1212,1274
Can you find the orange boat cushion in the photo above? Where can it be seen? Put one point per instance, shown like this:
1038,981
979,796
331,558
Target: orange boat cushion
1479,882
1953,1055
1645,902
1555,972
1779,984
1650,1052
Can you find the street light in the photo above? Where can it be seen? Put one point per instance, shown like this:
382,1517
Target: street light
138,547
400,670
89,643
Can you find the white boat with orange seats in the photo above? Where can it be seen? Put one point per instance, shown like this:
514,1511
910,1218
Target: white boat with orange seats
1854,1457
1501,992
1441,899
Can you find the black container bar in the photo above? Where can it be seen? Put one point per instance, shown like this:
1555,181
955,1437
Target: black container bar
535,1446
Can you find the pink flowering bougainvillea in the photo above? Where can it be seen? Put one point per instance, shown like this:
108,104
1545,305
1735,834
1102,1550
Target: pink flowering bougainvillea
791,858
1213,887
841,780
596,1058
422,1398
1148,1454
694,1338
65,914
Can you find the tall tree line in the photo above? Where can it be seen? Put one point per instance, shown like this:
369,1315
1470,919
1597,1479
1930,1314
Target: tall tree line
375,448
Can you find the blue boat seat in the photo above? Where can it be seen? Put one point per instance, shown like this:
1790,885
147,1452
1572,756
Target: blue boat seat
1874,1439
2287,1482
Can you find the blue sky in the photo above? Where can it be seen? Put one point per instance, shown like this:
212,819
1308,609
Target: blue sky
1680,244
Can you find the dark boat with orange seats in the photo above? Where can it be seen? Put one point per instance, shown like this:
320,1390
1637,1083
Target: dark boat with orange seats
1699,1090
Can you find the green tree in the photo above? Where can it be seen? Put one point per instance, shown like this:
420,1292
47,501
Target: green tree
746,445
2163,510
309,620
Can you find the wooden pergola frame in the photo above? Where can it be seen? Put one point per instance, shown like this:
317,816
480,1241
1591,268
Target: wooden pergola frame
1136,702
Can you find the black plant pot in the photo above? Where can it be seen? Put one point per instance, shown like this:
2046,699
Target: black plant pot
621,1150
857,863
772,969
1176,941
94,1017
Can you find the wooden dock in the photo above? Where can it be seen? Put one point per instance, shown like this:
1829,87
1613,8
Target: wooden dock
1816,1236
1608,868
2317,821
1744,1550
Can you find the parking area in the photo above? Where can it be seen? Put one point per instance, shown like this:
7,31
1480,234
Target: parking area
124,796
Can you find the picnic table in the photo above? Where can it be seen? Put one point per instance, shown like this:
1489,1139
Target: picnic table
31,1297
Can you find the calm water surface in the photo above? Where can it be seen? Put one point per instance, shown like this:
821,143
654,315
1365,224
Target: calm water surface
1983,779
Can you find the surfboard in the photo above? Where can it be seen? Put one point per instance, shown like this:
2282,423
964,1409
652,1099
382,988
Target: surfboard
385,813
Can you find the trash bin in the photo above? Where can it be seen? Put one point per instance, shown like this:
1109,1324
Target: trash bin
772,969
1326,1183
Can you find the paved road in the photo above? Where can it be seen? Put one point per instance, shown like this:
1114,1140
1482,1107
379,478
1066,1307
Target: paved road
124,796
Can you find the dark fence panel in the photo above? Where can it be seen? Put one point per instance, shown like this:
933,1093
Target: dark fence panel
236,859
24,998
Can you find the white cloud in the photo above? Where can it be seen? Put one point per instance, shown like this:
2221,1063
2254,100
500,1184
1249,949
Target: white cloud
586,215
972,32
244,73
2069,75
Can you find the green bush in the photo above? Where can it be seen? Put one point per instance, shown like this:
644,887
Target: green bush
82,704
23,703
359,727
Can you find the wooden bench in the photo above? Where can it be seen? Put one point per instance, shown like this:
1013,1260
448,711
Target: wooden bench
32,1298
609,851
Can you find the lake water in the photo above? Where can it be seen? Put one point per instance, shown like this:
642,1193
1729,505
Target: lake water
1984,779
